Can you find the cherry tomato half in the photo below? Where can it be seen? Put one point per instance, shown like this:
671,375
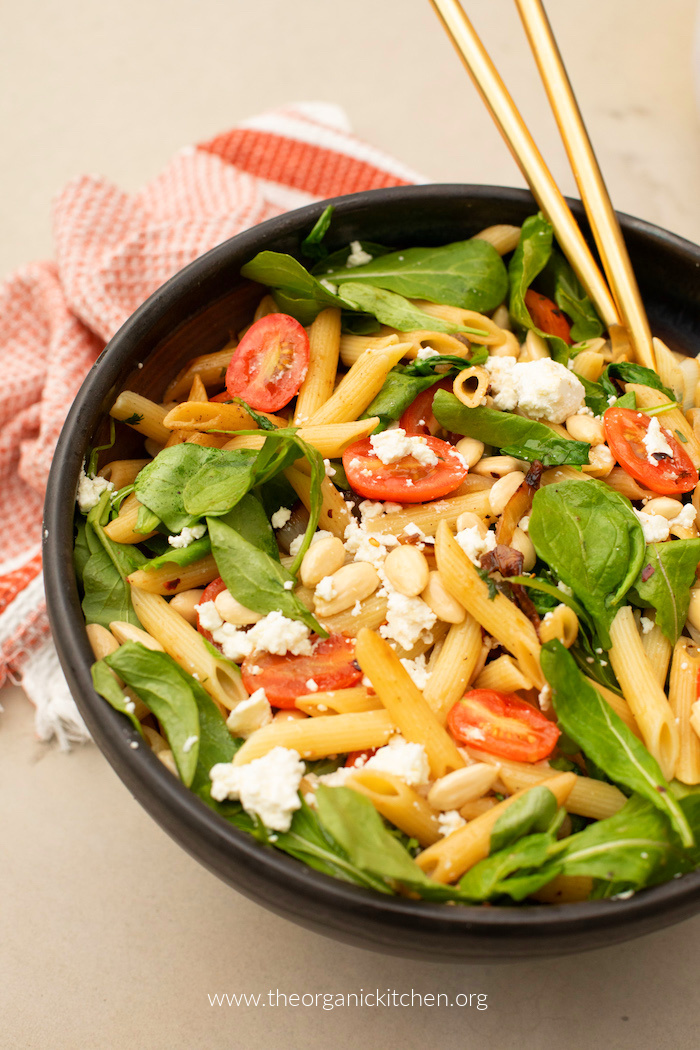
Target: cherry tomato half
625,431
406,481
270,363
502,724
331,666
418,417
547,316
208,595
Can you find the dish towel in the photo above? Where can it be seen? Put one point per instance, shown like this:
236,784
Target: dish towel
112,251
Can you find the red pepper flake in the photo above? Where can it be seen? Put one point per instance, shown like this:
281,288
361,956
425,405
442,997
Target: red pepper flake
172,584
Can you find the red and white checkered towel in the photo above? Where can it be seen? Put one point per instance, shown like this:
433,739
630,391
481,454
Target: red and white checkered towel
112,251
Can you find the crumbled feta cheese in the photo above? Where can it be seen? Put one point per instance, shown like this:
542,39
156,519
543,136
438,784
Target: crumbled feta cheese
267,786
325,589
235,644
288,585
90,490
472,732
407,761
370,509
450,821
358,256
656,527
277,634
187,536
295,545
332,288
393,445
209,618
250,714
565,589
417,670
584,410
338,778
474,544
368,546
406,619
280,517
686,518
329,468
129,706
544,697
189,743
542,389
413,530
426,352
311,685
655,442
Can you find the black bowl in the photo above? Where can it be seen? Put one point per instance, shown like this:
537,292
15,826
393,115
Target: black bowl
195,312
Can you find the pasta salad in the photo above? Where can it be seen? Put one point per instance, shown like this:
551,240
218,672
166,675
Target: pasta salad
404,583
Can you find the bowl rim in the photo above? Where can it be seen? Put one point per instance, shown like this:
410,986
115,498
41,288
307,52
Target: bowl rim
164,796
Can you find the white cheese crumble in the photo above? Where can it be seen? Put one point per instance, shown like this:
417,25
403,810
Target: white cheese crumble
188,535
686,518
370,509
542,389
655,441
417,670
656,527
235,644
393,445
450,821
474,544
329,469
358,256
280,517
90,490
277,634
565,589
325,589
267,786
406,620
426,352
646,624
407,761
250,714
332,288
368,546
209,617
311,685
189,743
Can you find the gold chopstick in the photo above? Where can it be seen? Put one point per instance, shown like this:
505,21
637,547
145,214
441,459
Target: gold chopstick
539,178
601,215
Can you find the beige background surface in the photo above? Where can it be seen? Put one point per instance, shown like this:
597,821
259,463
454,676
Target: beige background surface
109,934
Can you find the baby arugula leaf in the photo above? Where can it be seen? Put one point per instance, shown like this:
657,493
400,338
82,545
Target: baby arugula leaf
154,676
664,582
394,310
489,878
513,435
561,284
105,683
589,535
529,259
468,274
160,485
585,716
254,578
355,824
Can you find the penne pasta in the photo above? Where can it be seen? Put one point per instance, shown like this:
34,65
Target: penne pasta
360,385
122,529
334,516
171,578
683,693
454,667
122,472
319,737
211,369
324,347
142,415
399,803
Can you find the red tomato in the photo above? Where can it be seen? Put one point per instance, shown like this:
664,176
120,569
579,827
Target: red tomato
209,594
331,666
547,315
405,481
270,363
223,396
418,417
502,724
625,431
358,758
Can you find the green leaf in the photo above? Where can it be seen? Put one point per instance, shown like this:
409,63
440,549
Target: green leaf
392,309
254,578
489,878
532,812
262,421
215,741
664,582
627,372
311,246
91,467
295,290
469,274
513,435
146,520
180,555
528,260
107,595
561,284
81,550
160,485
250,521
355,824
589,535
585,716
155,677
107,686
220,483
